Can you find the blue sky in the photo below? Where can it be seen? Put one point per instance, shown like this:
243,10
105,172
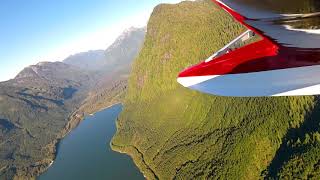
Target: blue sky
49,30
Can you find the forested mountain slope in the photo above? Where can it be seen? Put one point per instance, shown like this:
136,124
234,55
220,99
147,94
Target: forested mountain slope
35,109
113,71
175,133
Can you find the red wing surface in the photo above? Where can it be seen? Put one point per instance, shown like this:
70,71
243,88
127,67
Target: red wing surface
284,62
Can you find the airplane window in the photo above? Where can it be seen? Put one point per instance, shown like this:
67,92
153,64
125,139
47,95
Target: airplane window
245,38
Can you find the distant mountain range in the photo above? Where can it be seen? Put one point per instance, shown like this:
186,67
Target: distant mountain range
119,53
45,101
91,60
53,72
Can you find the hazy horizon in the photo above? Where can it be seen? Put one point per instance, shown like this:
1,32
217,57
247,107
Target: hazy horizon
39,33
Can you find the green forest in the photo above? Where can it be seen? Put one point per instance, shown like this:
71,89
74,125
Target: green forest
175,133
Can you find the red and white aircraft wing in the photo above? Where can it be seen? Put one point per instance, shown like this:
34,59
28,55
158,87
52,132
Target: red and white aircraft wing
285,62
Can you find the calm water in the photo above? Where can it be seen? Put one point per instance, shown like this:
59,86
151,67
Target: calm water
85,153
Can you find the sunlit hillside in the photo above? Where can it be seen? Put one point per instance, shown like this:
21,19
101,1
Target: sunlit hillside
176,133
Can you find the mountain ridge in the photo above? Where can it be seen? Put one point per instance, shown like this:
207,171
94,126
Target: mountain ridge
130,41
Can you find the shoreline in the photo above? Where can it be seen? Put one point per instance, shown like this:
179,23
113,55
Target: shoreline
142,167
109,106
128,154
74,120
139,163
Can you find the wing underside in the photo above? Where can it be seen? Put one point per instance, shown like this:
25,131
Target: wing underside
297,25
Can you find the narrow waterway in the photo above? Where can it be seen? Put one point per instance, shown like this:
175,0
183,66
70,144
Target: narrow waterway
86,154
